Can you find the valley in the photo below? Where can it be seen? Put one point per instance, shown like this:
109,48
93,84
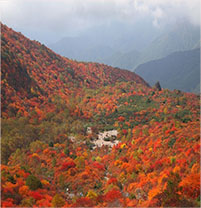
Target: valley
85,134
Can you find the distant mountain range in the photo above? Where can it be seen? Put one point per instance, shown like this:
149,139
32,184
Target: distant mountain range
108,44
129,47
179,70
180,38
123,60
137,48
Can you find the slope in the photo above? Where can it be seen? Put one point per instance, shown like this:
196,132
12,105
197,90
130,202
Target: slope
31,70
180,70
50,145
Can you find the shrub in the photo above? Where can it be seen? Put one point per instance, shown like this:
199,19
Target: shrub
67,151
33,182
91,194
112,195
67,165
51,144
171,142
58,201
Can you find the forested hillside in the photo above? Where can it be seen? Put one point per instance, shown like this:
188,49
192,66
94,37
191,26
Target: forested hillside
78,134
30,70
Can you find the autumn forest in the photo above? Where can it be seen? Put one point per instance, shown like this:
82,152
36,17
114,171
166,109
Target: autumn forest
84,134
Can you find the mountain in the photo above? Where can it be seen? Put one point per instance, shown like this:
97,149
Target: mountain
183,36
82,48
128,46
77,134
107,41
179,70
29,68
123,60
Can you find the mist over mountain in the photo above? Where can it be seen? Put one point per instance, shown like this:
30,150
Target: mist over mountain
107,41
181,37
164,55
127,47
123,60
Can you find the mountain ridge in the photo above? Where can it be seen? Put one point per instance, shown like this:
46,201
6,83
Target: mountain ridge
179,70
120,51
47,72
181,37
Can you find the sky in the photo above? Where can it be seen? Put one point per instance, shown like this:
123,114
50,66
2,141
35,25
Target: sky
50,20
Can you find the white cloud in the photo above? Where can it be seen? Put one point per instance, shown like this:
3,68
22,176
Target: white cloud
172,10
74,15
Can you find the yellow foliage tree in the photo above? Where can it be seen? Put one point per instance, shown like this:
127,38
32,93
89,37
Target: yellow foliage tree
58,201
153,192
91,194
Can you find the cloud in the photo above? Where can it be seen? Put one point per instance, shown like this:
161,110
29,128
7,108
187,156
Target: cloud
71,16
